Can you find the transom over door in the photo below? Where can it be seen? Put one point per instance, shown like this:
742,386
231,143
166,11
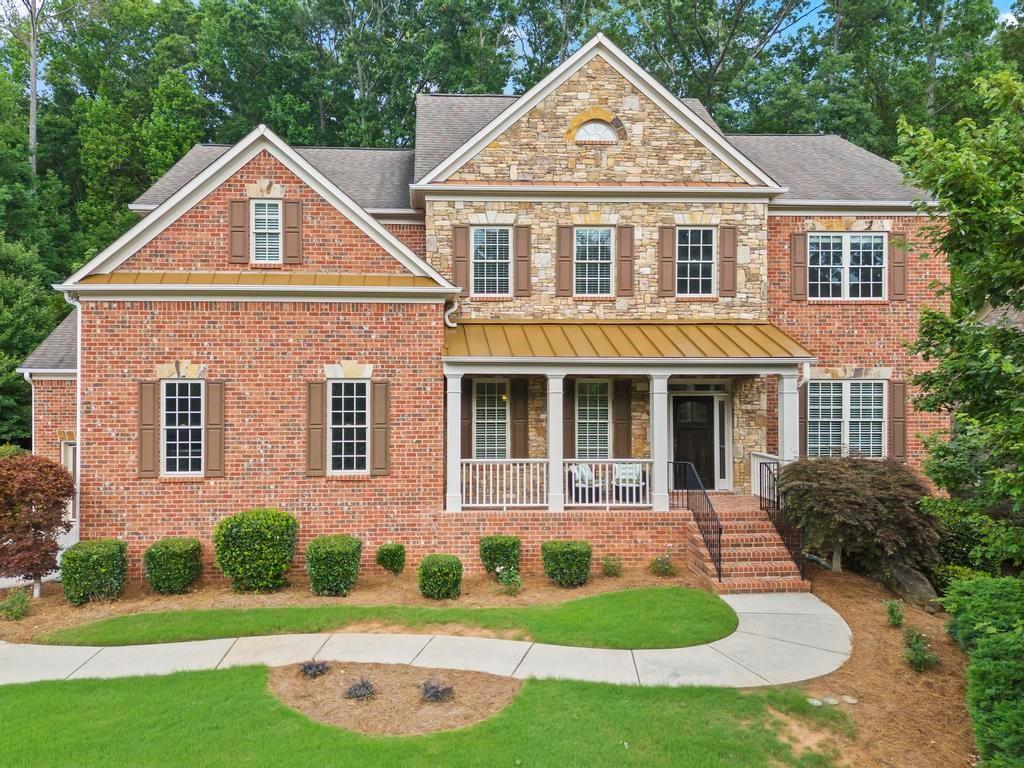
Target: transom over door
693,436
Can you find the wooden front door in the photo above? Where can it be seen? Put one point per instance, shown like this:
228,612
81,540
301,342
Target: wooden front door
693,436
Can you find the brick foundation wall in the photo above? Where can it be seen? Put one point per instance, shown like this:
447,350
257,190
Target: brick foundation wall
53,415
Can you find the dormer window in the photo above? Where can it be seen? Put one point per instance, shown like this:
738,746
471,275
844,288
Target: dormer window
596,132
267,247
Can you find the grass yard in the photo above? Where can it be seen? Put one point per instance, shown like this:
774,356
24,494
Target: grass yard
228,718
656,617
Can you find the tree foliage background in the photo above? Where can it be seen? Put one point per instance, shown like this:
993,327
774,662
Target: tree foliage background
126,86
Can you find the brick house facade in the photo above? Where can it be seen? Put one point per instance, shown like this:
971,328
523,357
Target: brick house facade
549,318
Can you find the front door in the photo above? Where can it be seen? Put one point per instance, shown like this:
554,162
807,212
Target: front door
693,437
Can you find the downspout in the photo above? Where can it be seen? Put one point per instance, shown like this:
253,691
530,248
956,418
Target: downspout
72,299
32,408
449,312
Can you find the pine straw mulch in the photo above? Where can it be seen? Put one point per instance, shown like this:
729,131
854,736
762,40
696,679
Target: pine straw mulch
397,707
51,612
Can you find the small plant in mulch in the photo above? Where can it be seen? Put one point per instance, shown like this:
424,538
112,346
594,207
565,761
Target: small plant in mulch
662,566
611,565
919,653
15,606
509,579
436,691
894,612
314,669
361,690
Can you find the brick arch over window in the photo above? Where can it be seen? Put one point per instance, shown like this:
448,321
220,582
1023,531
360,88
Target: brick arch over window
595,113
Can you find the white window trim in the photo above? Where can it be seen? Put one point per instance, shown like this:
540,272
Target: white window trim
472,260
202,429
508,415
714,262
610,422
844,445
252,230
68,460
369,428
845,295
612,270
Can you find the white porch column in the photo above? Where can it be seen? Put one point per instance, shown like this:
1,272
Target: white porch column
659,442
453,446
789,418
556,475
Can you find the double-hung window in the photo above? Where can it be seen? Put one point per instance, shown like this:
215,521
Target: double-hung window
846,418
695,261
266,238
490,419
491,261
848,265
592,261
593,420
349,434
181,433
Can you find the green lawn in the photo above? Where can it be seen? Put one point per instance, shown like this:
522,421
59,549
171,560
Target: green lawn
659,617
228,718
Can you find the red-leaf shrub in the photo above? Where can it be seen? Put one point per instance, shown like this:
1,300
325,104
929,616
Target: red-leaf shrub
34,494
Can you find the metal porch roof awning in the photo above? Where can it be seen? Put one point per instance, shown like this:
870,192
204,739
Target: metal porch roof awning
570,341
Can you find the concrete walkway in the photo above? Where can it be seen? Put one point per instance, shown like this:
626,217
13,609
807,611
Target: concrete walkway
781,638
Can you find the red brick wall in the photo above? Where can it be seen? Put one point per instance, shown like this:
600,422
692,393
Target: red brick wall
199,239
857,332
413,235
53,413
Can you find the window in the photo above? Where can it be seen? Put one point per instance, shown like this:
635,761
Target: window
349,436
695,262
593,417
846,418
491,261
597,132
182,427
846,266
593,261
266,231
490,419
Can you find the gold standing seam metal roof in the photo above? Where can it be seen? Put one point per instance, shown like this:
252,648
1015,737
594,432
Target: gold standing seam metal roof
621,339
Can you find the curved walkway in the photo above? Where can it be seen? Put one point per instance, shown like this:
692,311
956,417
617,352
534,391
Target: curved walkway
781,638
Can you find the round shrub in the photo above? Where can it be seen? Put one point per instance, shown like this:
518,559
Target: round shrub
500,552
391,557
440,577
172,565
255,549
567,563
611,565
332,563
662,566
93,570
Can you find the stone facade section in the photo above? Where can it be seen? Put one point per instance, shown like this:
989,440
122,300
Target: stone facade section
749,426
331,243
53,415
540,146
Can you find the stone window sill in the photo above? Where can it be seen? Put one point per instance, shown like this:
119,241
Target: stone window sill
489,298
349,478
848,302
182,479
255,265
697,299
596,298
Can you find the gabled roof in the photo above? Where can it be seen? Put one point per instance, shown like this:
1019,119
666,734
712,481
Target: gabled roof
58,352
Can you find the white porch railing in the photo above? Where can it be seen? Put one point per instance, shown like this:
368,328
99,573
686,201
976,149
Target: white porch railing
504,483
608,483
757,458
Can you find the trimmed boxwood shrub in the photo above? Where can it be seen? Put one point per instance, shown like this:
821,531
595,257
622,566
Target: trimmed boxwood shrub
332,563
500,552
93,570
391,557
172,565
567,563
440,577
255,549
981,606
995,697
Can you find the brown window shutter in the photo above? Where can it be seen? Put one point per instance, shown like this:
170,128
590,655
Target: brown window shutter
727,261
316,429
564,247
460,257
624,254
569,419
622,419
238,235
213,435
467,417
666,261
380,423
518,415
898,267
292,231
803,420
149,429
898,420
521,265
798,263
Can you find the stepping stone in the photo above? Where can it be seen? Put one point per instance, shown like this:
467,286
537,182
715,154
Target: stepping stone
831,701
815,702
849,700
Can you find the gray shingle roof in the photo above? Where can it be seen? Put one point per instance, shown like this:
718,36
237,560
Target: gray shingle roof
444,122
59,350
374,178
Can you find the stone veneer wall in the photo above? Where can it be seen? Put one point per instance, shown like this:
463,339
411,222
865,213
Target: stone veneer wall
749,426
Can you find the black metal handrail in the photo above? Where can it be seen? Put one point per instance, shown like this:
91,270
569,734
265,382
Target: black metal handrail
683,478
773,502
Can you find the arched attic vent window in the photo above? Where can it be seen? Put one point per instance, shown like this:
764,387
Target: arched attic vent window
596,132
